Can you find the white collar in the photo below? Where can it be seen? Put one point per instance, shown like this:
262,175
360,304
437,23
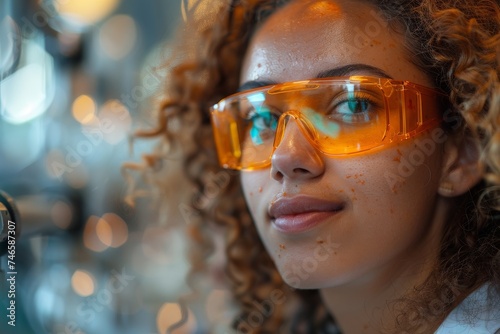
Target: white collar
479,313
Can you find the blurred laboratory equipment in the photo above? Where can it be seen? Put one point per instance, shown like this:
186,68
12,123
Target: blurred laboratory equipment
75,78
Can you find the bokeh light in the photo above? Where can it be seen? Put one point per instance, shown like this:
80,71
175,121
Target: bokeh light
118,36
112,230
91,239
104,232
83,283
79,14
169,314
84,109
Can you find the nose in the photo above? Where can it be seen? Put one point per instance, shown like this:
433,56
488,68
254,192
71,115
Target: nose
295,157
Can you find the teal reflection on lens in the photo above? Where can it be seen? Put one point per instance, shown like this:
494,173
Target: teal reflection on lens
322,124
264,123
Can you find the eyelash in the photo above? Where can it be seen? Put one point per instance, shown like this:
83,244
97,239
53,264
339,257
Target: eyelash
355,117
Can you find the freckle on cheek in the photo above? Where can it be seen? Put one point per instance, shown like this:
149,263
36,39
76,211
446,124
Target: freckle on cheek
395,187
282,246
260,189
397,158
358,178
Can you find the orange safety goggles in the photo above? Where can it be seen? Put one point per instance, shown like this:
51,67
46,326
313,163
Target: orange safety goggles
338,116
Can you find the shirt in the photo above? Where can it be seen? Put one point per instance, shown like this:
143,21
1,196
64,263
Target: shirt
479,313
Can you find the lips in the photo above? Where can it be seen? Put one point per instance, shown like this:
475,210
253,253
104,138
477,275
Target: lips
301,213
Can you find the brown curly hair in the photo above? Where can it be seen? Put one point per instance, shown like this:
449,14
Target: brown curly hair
455,42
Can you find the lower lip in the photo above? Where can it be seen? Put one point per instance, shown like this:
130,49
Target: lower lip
302,222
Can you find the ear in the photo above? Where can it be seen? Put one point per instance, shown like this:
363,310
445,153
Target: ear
462,168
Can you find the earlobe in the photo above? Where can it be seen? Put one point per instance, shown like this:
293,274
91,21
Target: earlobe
446,189
462,168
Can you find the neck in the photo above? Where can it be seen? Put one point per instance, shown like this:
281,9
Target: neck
363,306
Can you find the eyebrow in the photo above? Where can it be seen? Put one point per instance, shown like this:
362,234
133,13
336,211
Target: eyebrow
346,70
351,69
256,84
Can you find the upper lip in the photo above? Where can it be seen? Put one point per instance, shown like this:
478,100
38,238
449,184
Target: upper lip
285,206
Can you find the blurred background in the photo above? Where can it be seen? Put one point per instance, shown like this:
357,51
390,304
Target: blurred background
76,76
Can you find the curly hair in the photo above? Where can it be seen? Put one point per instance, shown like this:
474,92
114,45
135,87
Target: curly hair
456,43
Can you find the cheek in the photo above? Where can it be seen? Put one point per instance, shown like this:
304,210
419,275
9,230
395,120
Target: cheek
393,196
414,170
254,186
401,170
396,179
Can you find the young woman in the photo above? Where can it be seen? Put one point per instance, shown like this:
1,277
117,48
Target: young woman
366,136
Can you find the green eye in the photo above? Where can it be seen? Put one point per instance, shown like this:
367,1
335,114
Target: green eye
356,107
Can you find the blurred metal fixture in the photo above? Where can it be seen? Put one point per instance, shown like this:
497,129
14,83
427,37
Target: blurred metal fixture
10,46
8,212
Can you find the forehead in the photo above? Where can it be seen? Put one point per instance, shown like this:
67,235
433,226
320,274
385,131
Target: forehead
307,37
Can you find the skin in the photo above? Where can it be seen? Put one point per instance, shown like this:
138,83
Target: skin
386,239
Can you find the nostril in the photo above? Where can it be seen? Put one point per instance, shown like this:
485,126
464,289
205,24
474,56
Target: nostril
300,171
277,175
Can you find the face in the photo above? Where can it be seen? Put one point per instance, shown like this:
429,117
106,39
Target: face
328,221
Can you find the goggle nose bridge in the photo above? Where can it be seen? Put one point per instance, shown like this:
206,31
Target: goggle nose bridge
304,125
